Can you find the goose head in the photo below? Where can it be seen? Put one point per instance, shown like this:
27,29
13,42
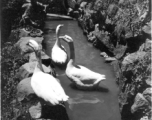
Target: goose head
66,38
33,44
58,28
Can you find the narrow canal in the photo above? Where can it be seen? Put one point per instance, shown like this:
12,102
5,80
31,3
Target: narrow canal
86,105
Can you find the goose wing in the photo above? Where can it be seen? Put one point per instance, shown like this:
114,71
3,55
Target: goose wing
84,74
48,88
59,55
63,48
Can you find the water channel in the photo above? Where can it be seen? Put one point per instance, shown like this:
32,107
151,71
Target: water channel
86,105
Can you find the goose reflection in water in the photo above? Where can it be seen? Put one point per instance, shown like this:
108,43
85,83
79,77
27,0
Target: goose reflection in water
80,100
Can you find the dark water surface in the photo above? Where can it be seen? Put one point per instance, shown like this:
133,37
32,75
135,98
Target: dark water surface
86,105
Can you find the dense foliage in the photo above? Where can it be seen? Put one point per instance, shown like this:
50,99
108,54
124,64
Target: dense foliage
11,60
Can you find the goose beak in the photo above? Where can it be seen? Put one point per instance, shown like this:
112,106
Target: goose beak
61,25
63,38
27,43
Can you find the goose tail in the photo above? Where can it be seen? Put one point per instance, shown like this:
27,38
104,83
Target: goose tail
103,77
99,79
65,98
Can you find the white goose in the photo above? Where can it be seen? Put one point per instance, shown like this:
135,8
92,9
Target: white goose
81,76
45,85
59,55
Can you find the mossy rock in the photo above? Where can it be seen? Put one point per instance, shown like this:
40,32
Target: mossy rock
27,70
24,89
22,44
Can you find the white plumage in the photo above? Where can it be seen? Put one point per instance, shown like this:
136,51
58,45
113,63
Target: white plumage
83,73
45,85
83,77
59,54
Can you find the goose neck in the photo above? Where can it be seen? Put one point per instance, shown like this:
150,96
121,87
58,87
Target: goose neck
58,42
72,53
38,66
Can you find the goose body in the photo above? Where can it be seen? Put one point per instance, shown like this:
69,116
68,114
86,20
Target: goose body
84,74
45,85
59,55
81,76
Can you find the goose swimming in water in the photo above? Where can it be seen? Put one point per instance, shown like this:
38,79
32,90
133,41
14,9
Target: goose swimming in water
59,55
81,76
45,85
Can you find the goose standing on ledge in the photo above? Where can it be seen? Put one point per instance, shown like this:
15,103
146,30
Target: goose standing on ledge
59,55
81,76
45,85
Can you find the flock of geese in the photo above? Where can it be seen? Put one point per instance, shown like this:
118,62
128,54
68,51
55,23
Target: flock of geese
48,87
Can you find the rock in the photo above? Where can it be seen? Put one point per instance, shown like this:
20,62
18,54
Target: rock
70,10
119,51
117,70
98,5
32,57
112,10
22,44
23,33
16,112
24,89
83,4
147,94
13,101
103,54
131,58
147,28
91,37
96,29
71,3
46,60
29,28
139,103
133,1
121,1
108,21
35,111
36,33
105,40
148,81
110,59
128,35
24,116
146,46
145,118
27,70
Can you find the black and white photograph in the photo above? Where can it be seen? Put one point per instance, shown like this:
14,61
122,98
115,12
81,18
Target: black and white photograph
76,60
